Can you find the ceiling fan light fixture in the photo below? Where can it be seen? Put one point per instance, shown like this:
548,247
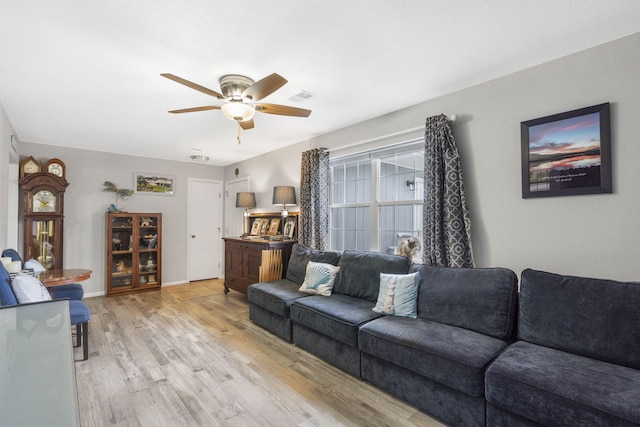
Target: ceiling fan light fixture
238,111
240,94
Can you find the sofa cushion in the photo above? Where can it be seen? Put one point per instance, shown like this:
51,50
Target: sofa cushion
277,325
398,294
359,274
591,317
276,296
301,255
446,354
319,279
480,299
337,316
553,387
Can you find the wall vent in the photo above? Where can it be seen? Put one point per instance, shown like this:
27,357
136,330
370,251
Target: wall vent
301,96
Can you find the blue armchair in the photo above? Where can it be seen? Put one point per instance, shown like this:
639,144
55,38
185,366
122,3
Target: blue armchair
78,310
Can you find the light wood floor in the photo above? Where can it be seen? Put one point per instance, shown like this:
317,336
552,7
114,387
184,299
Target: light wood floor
188,355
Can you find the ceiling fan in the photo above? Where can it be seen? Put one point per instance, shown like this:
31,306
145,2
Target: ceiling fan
241,95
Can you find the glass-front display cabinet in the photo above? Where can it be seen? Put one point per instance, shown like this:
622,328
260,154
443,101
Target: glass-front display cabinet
134,252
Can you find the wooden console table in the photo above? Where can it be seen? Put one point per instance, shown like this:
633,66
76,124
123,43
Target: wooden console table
242,258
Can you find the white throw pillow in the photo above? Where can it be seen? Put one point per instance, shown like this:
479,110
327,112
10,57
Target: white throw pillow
35,266
319,278
398,294
29,289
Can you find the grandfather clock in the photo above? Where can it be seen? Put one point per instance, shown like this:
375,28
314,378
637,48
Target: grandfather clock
43,211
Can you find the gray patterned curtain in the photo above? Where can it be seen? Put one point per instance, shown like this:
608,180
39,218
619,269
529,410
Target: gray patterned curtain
446,223
314,199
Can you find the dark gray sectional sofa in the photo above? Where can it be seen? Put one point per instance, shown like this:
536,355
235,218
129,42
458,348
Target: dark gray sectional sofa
437,361
328,326
270,303
575,359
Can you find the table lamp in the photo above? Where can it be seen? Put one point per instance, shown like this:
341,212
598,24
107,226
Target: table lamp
245,200
284,195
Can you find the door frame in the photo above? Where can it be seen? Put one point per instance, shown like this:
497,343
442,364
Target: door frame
221,224
231,203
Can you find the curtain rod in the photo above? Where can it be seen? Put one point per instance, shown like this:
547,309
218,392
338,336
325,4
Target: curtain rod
452,118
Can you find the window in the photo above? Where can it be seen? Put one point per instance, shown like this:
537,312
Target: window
376,198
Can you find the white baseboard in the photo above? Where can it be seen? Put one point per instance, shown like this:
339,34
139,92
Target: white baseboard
180,282
103,293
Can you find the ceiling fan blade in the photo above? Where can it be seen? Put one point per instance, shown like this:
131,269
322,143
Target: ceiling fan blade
246,125
191,110
282,110
193,85
265,87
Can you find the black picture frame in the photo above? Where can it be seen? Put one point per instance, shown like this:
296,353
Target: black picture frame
567,154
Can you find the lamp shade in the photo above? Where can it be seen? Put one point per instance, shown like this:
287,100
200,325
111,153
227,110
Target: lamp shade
284,195
245,199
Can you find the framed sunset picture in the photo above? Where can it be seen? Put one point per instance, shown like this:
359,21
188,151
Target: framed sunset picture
567,154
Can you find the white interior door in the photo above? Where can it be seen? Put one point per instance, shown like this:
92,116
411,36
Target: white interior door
205,229
233,216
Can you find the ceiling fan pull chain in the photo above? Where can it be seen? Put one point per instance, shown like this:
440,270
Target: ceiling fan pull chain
239,128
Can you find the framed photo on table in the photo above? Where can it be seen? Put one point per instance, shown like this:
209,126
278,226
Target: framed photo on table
274,225
289,227
255,227
567,153
264,225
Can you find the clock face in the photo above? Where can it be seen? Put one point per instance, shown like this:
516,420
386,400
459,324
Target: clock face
56,169
31,167
44,201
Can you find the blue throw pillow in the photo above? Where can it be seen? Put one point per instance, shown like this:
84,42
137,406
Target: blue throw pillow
398,294
319,279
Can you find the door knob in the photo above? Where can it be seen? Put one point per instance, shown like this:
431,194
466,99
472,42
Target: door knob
193,236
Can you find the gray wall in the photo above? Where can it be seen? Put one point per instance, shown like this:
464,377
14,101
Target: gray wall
8,182
85,205
586,235
5,136
594,235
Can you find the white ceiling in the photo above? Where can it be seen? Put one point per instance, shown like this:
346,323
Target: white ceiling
86,74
